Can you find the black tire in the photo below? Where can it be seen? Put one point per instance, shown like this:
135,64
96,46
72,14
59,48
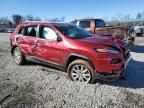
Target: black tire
85,65
18,56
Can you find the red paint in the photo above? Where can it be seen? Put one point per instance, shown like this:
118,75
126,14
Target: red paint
58,52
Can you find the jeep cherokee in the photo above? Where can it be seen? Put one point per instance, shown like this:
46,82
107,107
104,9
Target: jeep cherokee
82,55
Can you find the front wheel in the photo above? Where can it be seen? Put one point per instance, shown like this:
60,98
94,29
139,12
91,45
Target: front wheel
81,71
18,56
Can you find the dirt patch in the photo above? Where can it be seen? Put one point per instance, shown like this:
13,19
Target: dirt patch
2,50
133,99
19,97
22,100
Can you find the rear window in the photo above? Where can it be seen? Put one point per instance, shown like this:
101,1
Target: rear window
84,24
100,23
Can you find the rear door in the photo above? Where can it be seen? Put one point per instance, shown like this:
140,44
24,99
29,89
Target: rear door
48,48
27,39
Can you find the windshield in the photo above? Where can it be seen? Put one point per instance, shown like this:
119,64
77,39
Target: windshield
72,31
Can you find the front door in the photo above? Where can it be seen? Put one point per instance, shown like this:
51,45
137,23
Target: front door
47,47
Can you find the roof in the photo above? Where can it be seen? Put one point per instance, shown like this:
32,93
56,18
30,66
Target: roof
35,22
41,22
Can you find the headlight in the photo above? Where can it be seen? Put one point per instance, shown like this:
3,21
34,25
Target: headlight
106,51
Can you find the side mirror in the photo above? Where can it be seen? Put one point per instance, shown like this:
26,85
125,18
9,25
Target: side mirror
59,39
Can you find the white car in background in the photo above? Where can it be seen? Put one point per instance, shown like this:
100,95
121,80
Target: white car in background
139,30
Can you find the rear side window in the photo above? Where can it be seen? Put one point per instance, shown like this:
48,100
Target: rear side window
100,23
30,31
84,24
21,31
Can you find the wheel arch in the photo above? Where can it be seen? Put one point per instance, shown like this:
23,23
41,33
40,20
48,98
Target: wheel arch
12,49
72,57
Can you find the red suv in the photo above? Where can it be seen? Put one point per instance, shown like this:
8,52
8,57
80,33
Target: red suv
82,55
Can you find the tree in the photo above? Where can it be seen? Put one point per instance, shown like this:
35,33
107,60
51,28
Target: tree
10,24
119,16
127,17
54,20
37,19
29,18
139,15
32,18
143,15
17,19
3,20
63,19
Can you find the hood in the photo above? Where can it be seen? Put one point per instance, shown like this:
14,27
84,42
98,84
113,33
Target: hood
102,40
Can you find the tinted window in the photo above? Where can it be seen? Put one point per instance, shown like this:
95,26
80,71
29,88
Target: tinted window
84,24
100,23
47,33
72,31
30,31
21,31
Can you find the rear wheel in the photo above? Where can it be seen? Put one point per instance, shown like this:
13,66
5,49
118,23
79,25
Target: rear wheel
18,56
81,71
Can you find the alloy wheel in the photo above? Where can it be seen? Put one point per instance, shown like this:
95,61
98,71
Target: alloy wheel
80,73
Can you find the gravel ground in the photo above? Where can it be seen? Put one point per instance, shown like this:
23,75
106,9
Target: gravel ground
37,86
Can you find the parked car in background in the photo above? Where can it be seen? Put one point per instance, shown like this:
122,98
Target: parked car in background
96,26
7,30
139,30
2,30
84,56
123,34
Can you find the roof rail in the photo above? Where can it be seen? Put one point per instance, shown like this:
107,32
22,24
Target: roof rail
26,22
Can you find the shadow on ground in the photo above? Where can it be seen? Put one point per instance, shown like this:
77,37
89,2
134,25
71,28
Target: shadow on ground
137,49
44,66
13,96
133,77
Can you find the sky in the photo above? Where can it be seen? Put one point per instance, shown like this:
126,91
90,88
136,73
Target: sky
71,9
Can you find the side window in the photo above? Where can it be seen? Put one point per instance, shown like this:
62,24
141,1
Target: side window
21,31
30,31
100,23
84,24
47,33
